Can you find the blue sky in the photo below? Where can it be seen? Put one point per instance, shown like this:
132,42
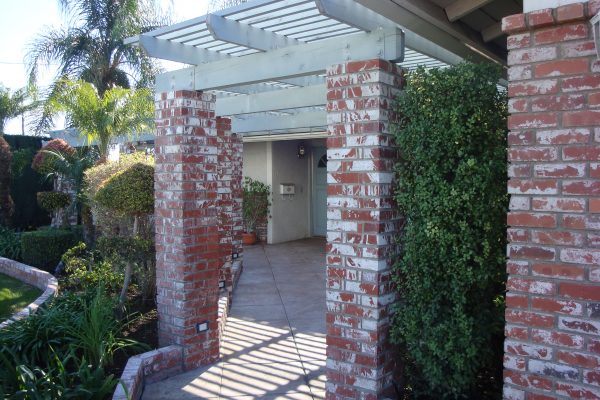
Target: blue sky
22,20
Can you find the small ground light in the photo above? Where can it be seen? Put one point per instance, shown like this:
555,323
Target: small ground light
221,284
202,327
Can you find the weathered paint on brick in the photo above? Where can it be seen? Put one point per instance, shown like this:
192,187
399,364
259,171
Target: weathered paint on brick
552,332
362,223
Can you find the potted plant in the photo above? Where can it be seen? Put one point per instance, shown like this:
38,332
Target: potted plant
255,207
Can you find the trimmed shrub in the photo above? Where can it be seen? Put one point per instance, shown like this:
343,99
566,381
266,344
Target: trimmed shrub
44,248
10,244
129,192
52,201
105,220
6,202
42,162
452,191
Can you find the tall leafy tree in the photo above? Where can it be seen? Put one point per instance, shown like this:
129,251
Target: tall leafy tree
102,116
91,47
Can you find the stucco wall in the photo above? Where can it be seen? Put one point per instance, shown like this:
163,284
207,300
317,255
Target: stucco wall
290,213
255,161
276,163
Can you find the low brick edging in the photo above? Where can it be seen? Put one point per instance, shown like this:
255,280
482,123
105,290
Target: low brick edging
34,277
160,364
146,368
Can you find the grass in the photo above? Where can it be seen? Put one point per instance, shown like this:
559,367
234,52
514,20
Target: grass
15,295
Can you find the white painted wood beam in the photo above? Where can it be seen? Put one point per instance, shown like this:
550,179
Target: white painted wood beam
430,23
172,51
290,62
305,121
492,32
311,96
231,31
460,8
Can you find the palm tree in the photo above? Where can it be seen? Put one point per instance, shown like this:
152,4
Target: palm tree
11,105
103,117
91,47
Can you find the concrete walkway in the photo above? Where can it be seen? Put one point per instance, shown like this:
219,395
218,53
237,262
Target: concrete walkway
274,345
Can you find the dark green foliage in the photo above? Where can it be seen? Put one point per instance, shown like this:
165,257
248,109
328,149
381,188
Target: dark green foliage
62,351
26,183
85,269
452,190
44,248
10,244
255,203
129,192
52,201
6,202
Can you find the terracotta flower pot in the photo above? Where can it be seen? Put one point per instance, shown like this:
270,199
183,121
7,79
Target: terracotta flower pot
249,238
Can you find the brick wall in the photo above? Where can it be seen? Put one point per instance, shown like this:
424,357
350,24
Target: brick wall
552,348
188,260
362,223
224,178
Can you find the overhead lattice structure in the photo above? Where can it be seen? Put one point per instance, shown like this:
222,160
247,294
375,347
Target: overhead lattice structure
266,59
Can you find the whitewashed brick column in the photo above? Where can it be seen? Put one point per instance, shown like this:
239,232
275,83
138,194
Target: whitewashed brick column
187,237
362,223
225,200
552,348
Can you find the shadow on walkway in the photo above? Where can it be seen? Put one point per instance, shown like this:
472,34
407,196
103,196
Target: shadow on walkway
274,345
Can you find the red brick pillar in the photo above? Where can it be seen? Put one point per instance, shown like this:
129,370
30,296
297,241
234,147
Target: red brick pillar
237,223
187,240
225,200
361,226
552,348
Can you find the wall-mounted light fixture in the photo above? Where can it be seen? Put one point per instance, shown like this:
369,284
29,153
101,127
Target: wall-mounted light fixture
596,28
301,150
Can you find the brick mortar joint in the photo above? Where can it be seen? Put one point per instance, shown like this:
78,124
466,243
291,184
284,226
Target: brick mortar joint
527,25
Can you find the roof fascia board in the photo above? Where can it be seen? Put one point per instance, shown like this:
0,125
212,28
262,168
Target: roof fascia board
429,21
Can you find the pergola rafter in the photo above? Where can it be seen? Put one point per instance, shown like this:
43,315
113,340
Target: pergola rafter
270,55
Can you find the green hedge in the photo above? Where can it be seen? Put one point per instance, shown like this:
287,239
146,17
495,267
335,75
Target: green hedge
452,190
26,183
44,248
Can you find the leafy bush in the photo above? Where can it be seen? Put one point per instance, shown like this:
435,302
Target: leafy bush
255,203
45,157
62,351
120,251
130,191
452,190
10,244
105,220
44,248
85,269
6,202
52,201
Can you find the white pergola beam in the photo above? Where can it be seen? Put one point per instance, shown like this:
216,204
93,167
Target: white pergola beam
492,32
235,32
311,96
290,62
173,51
460,8
371,18
260,124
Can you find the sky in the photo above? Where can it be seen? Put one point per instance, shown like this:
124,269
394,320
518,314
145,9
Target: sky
22,20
